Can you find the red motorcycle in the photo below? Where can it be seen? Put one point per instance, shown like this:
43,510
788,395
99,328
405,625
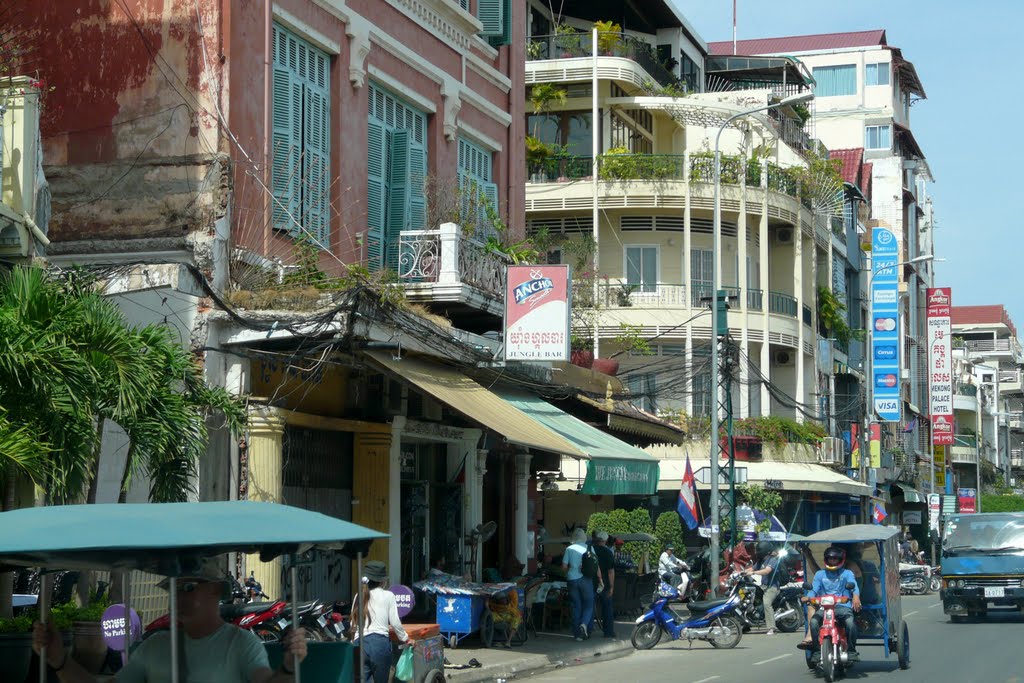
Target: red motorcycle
266,619
832,642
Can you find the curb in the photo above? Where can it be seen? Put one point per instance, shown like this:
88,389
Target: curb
536,664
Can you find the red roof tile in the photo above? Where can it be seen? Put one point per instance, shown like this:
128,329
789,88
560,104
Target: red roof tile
865,173
791,44
853,162
994,314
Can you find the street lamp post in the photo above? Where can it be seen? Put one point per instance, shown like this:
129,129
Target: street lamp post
869,403
716,277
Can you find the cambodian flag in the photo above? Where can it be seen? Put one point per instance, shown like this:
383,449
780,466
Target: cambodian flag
879,514
687,507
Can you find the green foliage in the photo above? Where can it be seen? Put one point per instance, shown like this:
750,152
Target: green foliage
19,624
702,168
631,341
762,500
831,316
1002,502
544,95
618,522
668,529
535,50
578,252
674,90
778,431
618,163
609,36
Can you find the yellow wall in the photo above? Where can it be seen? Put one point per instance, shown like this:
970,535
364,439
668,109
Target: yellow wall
321,391
370,481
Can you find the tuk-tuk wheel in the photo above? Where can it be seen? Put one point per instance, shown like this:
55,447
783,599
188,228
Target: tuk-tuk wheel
434,676
487,628
903,645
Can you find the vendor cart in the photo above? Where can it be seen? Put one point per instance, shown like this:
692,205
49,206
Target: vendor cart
427,654
461,606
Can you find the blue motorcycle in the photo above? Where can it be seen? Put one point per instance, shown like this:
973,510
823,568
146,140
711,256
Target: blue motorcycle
710,620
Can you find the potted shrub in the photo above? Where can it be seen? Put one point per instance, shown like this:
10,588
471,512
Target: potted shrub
90,650
16,641
609,37
537,155
567,41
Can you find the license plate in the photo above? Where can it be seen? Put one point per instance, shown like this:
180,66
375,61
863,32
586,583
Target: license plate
282,624
322,621
994,592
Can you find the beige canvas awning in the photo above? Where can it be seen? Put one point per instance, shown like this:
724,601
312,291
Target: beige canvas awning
792,476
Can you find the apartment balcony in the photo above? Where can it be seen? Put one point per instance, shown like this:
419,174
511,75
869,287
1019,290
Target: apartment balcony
965,397
1016,457
569,57
445,265
618,294
19,164
1010,382
664,181
965,449
996,348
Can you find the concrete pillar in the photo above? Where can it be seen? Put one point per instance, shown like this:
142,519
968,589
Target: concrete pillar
266,460
765,272
522,507
476,468
798,291
395,499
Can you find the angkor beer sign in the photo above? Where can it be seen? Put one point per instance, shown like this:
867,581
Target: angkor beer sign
537,313
940,365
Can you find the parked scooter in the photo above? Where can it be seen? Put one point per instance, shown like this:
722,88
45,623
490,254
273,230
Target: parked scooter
714,621
832,641
915,579
789,616
265,619
936,580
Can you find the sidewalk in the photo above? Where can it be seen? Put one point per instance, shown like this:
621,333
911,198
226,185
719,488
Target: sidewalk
542,653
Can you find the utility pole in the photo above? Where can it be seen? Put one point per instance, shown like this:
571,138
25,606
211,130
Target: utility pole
723,370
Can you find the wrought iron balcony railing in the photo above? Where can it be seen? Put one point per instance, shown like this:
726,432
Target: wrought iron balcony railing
446,256
573,45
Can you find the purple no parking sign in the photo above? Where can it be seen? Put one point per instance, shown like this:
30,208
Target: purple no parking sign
113,627
405,599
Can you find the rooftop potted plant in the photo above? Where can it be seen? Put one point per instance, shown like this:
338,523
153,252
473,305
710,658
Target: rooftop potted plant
90,650
609,37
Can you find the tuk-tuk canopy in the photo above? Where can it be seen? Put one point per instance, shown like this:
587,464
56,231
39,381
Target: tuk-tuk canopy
154,537
853,533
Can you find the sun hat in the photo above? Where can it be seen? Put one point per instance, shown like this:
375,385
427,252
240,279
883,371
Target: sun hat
200,570
375,570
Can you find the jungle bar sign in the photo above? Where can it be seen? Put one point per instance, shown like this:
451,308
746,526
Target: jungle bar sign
537,313
940,366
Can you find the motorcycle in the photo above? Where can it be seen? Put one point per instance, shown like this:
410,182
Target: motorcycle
915,579
714,621
789,616
265,619
685,586
936,581
832,642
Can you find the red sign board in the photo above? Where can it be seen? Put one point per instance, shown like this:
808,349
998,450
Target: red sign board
968,500
940,364
537,313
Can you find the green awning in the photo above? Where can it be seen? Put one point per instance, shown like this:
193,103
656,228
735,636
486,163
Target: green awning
910,494
614,468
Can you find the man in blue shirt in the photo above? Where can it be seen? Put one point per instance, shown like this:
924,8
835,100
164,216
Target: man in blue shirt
581,588
833,580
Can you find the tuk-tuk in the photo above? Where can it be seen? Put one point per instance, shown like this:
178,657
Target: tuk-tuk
872,554
162,538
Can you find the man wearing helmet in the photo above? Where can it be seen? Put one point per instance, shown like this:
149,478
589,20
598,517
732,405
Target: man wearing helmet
833,580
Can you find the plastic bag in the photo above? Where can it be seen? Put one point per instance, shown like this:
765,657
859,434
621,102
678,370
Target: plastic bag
404,668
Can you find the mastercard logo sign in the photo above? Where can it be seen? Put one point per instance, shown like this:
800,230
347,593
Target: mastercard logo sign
885,324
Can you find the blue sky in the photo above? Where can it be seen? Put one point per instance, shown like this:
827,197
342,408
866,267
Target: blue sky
967,57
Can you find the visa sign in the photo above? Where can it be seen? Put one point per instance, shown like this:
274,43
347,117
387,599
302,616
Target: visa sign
885,324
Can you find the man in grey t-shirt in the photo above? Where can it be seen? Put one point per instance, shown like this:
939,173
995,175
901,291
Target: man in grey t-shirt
214,651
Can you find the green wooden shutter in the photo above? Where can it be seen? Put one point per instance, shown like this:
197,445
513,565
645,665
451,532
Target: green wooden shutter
491,15
286,138
506,26
375,195
399,186
418,178
488,198
317,167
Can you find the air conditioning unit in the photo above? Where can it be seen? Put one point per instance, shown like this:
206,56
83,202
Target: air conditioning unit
784,236
784,357
832,451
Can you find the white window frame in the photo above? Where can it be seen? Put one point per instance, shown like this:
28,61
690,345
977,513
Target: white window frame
642,289
851,67
877,127
879,68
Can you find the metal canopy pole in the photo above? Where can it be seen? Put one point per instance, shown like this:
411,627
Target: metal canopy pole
126,592
173,587
44,618
294,573
359,599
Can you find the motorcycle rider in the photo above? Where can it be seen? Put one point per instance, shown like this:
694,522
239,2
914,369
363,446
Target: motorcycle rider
673,571
767,567
833,580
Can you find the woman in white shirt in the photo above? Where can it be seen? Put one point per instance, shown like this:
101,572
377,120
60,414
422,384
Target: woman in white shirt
381,617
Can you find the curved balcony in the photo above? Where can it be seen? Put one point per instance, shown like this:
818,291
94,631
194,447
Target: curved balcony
664,180
576,46
965,449
965,397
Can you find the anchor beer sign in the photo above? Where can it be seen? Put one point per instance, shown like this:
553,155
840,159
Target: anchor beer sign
537,313
940,365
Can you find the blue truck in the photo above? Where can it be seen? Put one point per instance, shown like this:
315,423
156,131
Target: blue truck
982,564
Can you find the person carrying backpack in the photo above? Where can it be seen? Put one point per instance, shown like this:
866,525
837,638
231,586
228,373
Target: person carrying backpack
581,567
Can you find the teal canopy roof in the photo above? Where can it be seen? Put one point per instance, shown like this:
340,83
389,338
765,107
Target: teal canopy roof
615,467
853,533
155,537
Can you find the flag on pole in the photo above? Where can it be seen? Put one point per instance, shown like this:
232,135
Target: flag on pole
879,514
687,507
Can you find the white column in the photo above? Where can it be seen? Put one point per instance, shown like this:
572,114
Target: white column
395,497
522,507
765,272
741,279
449,246
476,468
798,291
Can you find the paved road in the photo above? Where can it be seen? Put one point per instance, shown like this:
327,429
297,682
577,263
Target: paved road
940,652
